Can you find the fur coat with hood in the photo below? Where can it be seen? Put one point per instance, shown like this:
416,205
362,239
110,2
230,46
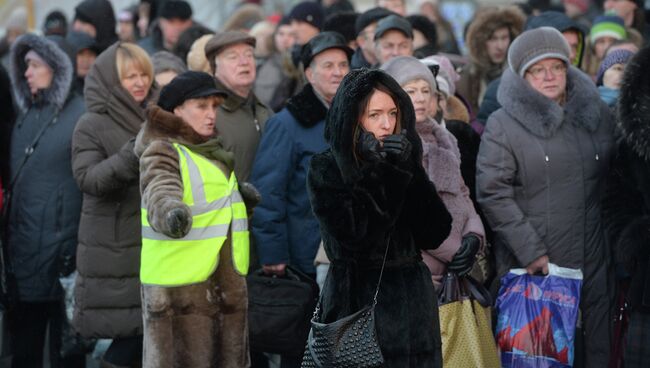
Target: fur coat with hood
480,71
441,160
45,205
107,292
627,204
362,209
213,312
540,175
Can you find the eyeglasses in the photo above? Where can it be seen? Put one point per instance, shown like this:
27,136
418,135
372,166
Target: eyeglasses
539,72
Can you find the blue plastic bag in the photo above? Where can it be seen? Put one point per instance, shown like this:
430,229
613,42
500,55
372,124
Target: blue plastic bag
537,318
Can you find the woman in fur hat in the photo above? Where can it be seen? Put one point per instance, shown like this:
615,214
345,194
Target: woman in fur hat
372,196
195,246
540,173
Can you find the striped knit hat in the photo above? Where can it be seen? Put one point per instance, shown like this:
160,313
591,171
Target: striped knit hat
608,25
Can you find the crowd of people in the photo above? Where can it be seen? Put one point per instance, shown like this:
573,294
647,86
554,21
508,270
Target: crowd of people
149,161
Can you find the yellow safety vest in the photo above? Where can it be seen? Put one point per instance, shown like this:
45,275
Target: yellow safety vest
216,206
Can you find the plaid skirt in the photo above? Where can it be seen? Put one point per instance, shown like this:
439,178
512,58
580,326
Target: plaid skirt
637,350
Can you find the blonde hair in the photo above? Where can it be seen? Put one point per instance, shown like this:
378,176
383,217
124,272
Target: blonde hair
131,54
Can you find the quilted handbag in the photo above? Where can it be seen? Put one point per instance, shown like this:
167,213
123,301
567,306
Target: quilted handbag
348,342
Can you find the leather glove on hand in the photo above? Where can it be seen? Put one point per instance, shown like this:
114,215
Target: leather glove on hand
369,147
179,222
250,195
464,259
397,147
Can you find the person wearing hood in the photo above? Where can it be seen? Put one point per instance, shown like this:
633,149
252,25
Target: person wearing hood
195,242
441,161
242,116
488,37
42,189
540,211
626,204
573,32
107,293
374,201
84,53
174,17
610,75
97,19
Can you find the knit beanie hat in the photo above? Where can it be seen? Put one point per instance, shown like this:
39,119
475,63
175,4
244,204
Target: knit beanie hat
619,56
535,45
185,87
405,69
608,25
309,12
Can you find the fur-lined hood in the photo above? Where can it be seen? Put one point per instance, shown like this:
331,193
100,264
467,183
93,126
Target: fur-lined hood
342,118
485,22
54,56
634,104
542,116
164,125
104,94
306,107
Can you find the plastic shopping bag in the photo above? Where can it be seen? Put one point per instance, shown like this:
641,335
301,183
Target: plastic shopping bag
537,318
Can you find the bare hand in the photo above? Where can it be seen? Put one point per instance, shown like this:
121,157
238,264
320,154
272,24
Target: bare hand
540,264
275,269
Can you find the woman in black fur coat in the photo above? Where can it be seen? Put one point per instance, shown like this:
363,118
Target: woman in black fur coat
627,204
369,192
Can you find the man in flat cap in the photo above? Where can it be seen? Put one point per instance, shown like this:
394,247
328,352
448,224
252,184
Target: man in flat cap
393,37
242,116
364,26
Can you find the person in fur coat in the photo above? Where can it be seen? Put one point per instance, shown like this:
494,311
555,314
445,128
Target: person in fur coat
441,161
372,197
196,320
627,204
541,172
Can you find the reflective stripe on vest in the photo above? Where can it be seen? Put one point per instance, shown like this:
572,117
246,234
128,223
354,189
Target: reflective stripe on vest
217,208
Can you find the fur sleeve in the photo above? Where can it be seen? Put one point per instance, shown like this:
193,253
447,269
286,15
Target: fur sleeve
360,215
95,171
161,184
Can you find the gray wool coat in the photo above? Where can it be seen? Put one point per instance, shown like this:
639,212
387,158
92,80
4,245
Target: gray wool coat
44,209
540,177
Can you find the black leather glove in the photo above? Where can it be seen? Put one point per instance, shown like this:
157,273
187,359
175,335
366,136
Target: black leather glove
397,147
464,259
179,223
369,147
250,195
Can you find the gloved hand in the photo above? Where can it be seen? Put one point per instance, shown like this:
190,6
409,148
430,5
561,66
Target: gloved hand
179,222
250,195
369,147
397,147
464,259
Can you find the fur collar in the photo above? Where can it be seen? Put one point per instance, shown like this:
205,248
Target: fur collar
543,117
55,57
163,125
440,156
306,107
485,22
634,104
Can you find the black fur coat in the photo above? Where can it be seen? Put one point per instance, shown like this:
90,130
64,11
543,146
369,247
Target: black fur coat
361,207
627,204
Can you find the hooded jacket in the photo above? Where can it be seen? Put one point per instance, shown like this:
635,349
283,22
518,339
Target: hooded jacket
362,209
627,204
284,227
45,204
475,76
100,14
107,293
540,177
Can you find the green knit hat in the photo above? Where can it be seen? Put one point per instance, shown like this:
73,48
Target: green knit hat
608,25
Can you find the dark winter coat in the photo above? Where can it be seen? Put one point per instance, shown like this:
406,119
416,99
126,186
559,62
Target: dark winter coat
540,179
46,202
284,226
364,207
107,292
100,14
359,61
627,205
7,117
240,122
154,42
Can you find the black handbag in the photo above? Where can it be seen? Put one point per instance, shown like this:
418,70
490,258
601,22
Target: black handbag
279,309
350,342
